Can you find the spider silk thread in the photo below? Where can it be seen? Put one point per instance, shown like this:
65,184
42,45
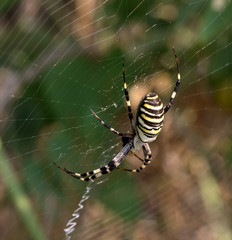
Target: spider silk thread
70,226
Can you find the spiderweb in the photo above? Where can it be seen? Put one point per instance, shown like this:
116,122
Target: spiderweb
59,59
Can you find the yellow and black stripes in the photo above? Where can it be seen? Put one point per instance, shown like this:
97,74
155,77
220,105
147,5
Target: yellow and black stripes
177,84
87,176
107,125
149,118
128,103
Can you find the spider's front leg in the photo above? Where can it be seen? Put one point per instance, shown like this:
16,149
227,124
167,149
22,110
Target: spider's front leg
145,161
87,176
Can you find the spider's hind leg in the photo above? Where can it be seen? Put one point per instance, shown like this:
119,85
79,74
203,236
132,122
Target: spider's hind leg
176,86
126,92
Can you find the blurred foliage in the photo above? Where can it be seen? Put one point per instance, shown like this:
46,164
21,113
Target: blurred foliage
49,117
7,6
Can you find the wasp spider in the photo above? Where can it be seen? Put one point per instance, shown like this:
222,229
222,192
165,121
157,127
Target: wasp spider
148,124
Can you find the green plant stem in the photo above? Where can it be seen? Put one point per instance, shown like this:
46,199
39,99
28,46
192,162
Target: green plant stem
19,198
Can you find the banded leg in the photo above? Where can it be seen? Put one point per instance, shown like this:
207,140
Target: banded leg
145,161
88,176
106,125
177,84
128,103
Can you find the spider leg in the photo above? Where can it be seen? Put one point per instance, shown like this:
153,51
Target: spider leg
145,162
126,92
176,86
87,176
80,176
107,125
142,160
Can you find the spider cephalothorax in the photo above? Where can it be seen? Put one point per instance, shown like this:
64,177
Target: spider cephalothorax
148,124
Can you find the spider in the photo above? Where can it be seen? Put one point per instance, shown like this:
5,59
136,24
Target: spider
148,124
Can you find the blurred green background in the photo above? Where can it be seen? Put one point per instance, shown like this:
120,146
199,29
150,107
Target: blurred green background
59,59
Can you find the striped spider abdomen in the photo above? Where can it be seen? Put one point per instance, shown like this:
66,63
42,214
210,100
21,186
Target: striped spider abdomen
149,118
